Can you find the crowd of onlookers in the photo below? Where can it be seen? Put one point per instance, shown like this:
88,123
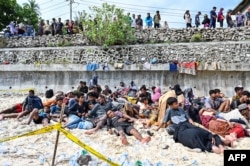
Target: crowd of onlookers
72,27
240,20
53,28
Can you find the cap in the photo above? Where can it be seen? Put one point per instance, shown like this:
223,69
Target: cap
70,91
239,86
242,107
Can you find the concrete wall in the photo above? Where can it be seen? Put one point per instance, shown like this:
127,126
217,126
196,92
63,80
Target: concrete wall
63,68
64,77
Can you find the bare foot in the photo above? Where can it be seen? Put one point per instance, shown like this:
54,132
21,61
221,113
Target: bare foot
1,117
216,150
145,140
89,132
124,141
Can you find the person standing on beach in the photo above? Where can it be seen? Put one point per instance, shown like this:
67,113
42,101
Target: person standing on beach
30,103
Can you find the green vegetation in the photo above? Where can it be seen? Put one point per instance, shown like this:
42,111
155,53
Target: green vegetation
3,42
12,11
196,38
102,29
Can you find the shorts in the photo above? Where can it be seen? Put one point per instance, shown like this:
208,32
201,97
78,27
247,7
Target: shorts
125,129
41,117
18,107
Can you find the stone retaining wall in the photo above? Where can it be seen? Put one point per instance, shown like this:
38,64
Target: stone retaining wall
205,52
145,36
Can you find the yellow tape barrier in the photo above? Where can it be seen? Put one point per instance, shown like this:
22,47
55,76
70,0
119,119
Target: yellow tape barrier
36,132
88,148
68,135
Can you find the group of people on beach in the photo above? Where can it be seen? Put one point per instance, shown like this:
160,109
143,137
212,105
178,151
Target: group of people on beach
210,123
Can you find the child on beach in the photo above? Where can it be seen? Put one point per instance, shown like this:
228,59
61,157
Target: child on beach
122,123
40,117
55,110
149,112
174,115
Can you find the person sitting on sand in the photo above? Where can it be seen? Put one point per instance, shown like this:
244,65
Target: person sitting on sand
245,96
31,102
174,116
123,124
76,114
55,110
40,117
145,93
225,102
214,103
98,114
238,92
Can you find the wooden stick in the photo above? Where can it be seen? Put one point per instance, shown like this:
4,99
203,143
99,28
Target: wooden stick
57,135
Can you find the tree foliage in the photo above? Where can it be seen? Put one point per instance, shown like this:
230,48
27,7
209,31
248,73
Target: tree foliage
101,29
12,11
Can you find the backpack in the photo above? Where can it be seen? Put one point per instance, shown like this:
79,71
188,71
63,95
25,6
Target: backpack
184,17
49,93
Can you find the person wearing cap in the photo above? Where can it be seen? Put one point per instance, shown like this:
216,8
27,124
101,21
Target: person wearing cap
197,19
245,97
238,90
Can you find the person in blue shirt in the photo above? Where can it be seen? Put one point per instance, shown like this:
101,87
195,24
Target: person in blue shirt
174,116
40,116
55,110
30,103
149,21
213,17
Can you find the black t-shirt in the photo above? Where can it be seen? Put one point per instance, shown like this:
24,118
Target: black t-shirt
83,89
148,96
76,108
21,32
235,104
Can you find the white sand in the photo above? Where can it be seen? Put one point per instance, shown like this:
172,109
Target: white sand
31,150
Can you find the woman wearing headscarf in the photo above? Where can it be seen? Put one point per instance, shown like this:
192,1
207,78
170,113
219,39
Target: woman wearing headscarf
157,94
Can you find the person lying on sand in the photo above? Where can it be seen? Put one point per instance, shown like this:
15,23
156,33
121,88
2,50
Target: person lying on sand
98,114
123,124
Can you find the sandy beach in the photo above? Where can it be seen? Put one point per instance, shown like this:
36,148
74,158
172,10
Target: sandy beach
38,150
